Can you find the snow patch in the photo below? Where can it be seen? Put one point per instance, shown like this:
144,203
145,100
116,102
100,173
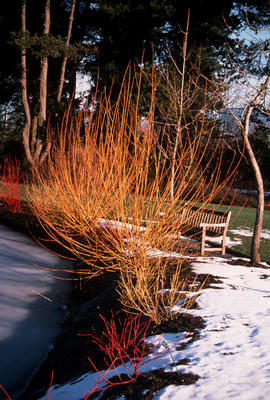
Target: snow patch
249,233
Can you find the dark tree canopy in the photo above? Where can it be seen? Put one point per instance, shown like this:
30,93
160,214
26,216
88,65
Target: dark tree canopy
123,29
116,32
107,35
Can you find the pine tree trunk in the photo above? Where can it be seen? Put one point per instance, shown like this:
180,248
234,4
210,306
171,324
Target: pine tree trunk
44,72
64,63
31,142
27,125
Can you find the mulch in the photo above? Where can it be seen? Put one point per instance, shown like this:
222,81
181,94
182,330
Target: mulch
92,298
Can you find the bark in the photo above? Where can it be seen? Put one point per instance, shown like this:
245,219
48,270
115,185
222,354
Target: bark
31,143
34,133
27,125
44,72
256,239
64,63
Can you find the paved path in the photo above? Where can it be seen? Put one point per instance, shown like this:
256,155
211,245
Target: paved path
32,306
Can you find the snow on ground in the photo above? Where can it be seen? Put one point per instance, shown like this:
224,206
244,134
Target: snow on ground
32,308
232,354
237,233
249,232
236,241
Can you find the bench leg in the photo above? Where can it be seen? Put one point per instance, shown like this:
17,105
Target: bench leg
223,251
203,241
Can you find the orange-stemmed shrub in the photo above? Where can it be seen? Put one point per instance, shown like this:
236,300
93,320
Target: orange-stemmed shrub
104,193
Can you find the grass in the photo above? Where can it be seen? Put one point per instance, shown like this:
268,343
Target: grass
243,219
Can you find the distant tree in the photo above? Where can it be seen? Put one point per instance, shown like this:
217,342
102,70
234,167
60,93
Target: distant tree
44,46
110,34
64,62
37,74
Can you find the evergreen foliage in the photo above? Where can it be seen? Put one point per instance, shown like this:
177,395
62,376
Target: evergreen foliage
107,35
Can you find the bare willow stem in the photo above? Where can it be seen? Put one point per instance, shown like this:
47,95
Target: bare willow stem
104,195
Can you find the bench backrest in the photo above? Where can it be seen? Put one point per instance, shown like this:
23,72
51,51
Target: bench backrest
193,216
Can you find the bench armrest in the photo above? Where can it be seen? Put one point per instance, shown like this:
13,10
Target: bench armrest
208,225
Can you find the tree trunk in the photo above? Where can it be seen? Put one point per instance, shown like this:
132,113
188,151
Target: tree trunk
64,63
179,121
27,125
44,72
256,239
31,143
37,143
255,244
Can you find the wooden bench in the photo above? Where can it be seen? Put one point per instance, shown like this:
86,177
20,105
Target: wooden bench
208,223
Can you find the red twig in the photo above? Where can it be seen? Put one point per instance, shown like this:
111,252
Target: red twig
10,185
6,393
123,343
51,382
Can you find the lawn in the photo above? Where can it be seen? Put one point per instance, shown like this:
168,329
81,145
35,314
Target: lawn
241,229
